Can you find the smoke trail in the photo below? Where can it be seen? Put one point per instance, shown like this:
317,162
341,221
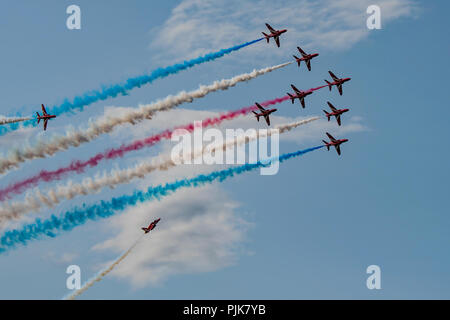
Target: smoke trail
79,102
12,120
55,225
35,200
79,166
44,149
102,273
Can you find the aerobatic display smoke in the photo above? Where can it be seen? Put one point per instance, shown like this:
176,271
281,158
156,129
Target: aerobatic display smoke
55,225
111,91
12,120
45,149
103,273
35,200
79,166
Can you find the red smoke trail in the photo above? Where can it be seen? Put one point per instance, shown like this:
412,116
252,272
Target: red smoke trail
79,166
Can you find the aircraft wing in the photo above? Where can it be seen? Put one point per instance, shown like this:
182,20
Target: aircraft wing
260,107
338,119
277,40
302,101
43,109
333,76
270,28
295,89
331,137
308,64
45,124
267,119
331,106
340,88
303,53
338,149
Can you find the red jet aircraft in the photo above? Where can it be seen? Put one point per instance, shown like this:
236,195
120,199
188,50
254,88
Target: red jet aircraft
335,112
300,95
334,143
264,113
45,116
305,57
151,226
336,82
273,34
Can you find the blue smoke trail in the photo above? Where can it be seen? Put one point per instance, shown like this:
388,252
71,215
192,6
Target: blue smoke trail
112,91
53,226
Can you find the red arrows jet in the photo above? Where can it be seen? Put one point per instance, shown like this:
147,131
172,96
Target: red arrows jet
300,95
336,82
151,226
45,116
264,113
305,57
334,143
273,34
335,112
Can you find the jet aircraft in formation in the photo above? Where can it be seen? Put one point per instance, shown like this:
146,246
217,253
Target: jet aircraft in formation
264,113
275,34
305,57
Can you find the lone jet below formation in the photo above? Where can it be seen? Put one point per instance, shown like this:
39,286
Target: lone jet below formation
151,226
273,34
45,116
264,113
305,57
300,95
335,112
337,82
334,143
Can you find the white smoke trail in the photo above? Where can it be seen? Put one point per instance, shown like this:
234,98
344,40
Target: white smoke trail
35,200
102,273
12,120
44,149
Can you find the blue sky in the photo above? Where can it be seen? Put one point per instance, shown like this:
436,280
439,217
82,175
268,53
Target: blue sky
308,232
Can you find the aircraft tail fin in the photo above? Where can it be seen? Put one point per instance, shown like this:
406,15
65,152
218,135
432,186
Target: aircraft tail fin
327,114
329,84
256,115
38,119
298,60
326,144
266,35
292,97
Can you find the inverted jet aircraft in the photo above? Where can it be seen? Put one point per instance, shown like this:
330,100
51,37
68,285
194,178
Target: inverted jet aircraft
273,34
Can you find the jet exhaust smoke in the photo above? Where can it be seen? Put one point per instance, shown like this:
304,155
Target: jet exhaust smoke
79,166
44,149
55,225
112,91
12,120
35,200
103,273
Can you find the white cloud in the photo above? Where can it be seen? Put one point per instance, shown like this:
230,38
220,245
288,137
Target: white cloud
199,232
196,26
200,229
